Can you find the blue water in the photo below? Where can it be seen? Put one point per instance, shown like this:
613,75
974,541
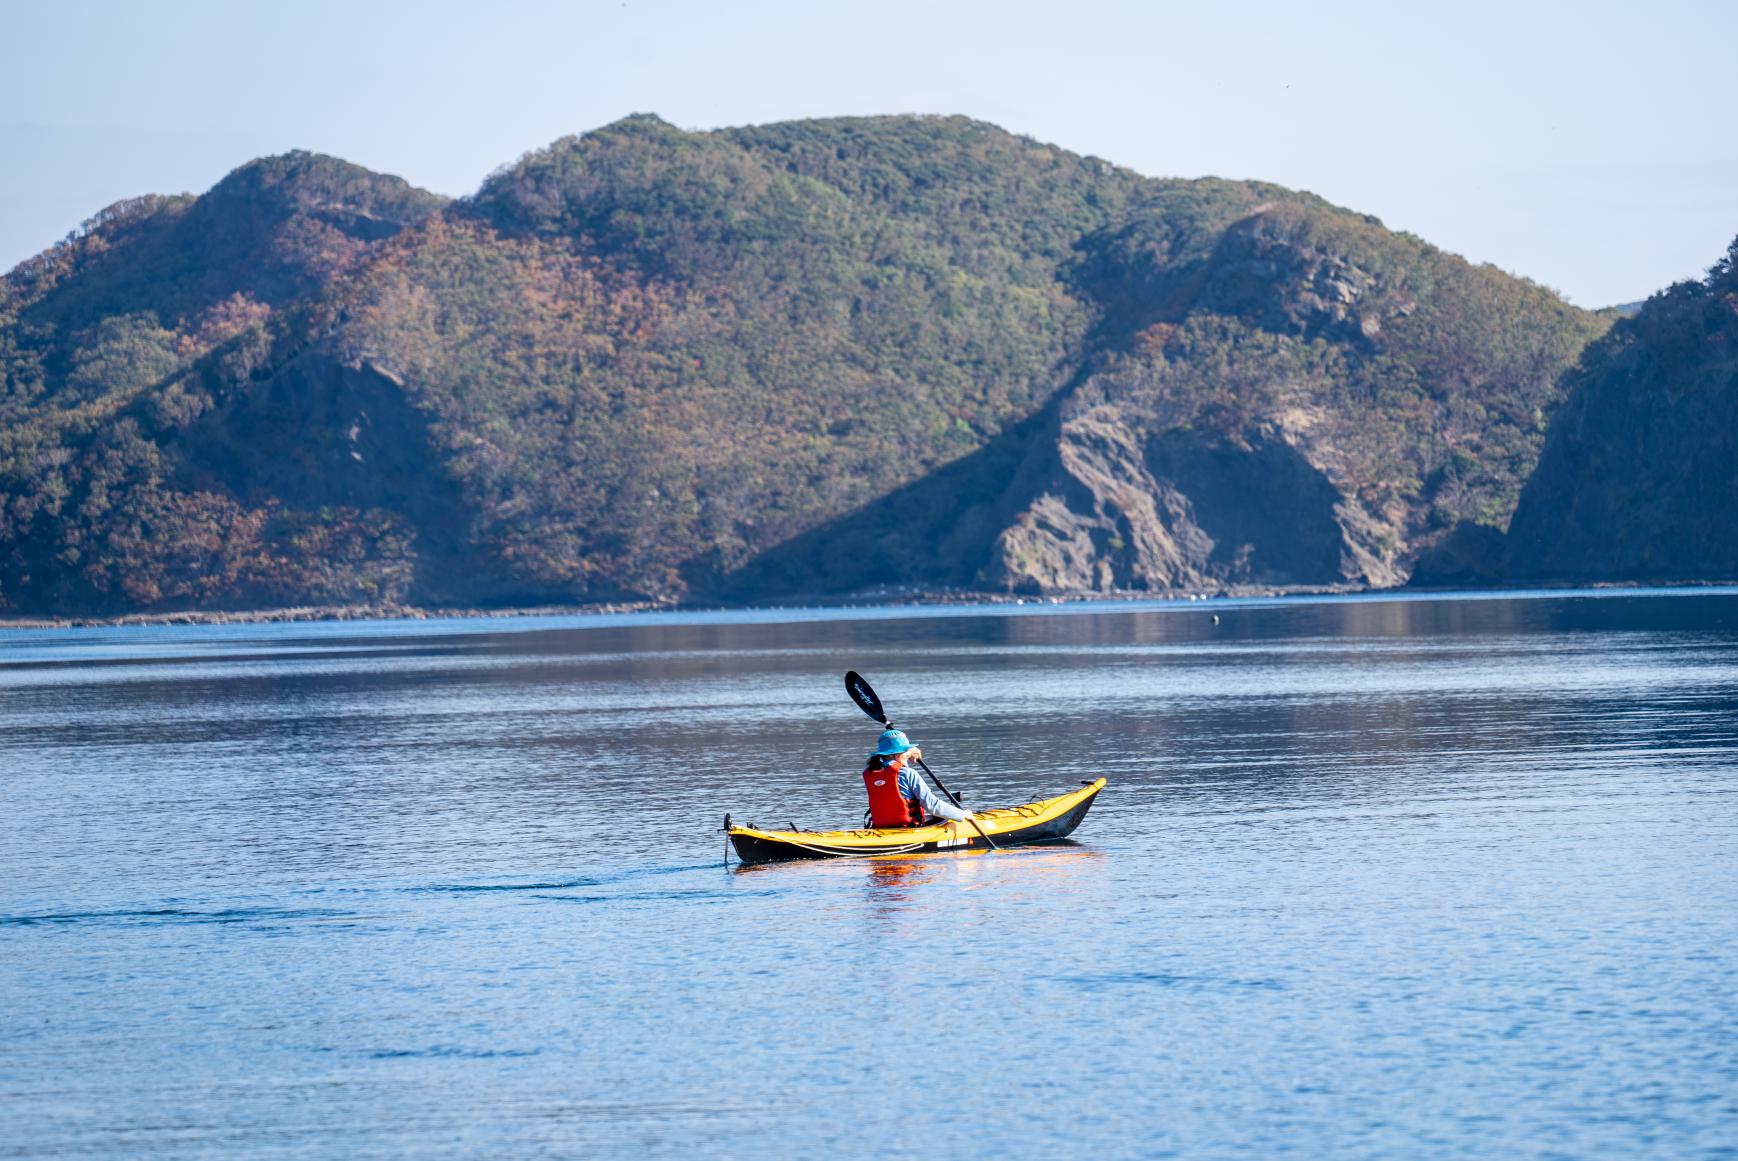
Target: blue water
1372,878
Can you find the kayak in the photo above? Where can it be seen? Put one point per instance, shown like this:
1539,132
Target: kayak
1034,822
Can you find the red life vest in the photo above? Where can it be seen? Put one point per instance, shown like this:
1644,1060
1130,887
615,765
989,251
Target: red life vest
887,807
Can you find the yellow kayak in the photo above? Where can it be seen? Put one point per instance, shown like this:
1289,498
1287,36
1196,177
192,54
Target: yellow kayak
1033,822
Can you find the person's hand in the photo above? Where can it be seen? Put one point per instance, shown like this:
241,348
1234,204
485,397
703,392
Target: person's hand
915,754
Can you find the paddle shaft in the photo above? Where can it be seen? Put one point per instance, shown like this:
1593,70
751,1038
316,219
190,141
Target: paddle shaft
864,695
954,798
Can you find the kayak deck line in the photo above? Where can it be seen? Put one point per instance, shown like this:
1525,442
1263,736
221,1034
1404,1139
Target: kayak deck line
1045,820
839,852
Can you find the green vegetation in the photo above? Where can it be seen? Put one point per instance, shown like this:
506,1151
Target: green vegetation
641,360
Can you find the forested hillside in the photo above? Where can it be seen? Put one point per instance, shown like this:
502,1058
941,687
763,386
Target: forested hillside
749,363
1639,476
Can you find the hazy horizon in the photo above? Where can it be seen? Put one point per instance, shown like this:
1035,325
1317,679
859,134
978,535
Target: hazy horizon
1581,147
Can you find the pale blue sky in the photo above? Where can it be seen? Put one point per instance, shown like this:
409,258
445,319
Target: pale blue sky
1589,146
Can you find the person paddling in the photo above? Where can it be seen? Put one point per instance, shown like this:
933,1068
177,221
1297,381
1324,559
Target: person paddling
897,795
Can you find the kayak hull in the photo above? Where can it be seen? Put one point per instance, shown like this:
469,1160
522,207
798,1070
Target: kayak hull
1034,822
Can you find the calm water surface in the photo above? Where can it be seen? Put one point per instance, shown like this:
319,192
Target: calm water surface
1414,878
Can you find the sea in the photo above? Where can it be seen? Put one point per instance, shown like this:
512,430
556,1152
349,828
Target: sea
1376,876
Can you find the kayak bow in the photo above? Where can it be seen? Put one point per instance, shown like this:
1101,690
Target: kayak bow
1033,822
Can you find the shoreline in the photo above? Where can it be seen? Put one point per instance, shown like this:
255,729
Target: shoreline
888,598
871,598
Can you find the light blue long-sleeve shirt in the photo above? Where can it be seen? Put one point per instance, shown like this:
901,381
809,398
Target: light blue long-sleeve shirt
914,788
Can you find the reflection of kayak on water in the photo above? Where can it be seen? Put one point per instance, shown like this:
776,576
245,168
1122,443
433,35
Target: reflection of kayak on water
1033,822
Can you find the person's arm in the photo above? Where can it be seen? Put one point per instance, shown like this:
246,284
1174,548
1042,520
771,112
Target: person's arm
912,785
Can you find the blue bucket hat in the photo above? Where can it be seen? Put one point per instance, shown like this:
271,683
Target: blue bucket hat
892,742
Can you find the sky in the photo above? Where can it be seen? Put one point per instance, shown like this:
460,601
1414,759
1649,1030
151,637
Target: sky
1588,146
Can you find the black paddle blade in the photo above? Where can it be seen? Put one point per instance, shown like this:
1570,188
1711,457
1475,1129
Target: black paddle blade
864,695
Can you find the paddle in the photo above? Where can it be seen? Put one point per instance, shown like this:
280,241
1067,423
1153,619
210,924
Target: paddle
864,695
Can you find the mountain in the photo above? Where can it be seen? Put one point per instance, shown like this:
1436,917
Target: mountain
120,344
748,363
1638,479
